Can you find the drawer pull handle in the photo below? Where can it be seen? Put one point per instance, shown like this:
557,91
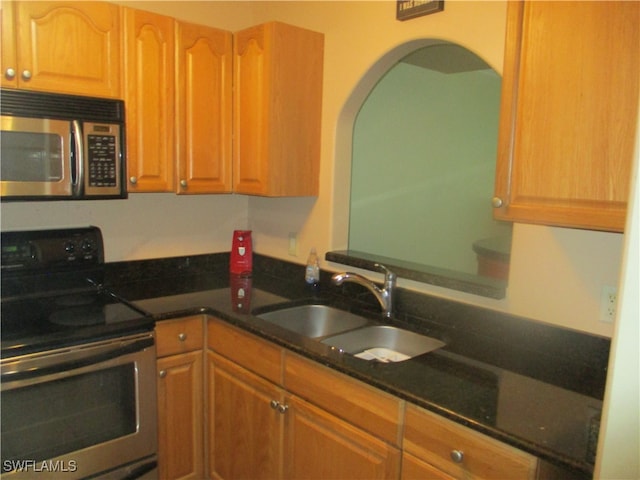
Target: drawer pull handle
457,456
182,337
163,373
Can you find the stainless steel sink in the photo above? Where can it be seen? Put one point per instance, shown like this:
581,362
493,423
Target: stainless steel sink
314,321
383,343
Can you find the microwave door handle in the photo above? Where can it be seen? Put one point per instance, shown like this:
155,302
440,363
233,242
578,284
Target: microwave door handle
78,181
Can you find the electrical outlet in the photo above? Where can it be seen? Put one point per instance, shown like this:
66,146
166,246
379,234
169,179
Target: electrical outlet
608,301
293,244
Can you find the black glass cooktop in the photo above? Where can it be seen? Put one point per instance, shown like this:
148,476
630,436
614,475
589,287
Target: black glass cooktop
44,323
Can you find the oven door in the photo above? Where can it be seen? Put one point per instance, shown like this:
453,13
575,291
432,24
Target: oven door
82,411
36,157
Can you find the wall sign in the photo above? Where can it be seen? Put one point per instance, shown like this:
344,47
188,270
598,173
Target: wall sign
407,9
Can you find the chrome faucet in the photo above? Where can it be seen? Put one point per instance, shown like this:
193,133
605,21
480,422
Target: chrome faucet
383,295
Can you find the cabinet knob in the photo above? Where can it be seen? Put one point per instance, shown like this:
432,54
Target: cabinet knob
182,337
496,202
457,456
279,407
183,183
162,373
26,74
10,74
133,180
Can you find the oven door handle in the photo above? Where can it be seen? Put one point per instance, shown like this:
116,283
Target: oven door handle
38,367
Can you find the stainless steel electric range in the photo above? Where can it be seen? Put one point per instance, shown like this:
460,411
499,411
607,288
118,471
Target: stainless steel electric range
77,363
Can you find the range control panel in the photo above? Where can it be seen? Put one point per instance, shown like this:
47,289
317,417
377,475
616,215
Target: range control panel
42,249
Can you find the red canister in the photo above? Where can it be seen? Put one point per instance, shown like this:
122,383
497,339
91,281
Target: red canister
241,261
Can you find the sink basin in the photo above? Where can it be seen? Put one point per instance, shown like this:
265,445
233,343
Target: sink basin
383,343
314,321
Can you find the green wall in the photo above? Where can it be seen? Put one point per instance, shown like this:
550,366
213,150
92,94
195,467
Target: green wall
424,155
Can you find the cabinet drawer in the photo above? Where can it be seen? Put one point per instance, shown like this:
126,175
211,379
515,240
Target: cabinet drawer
360,404
179,336
433,439
249,351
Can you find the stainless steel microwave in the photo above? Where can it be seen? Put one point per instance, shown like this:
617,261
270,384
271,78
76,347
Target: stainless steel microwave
58,147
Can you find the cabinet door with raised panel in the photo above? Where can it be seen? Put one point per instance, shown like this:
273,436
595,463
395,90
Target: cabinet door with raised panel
180,413
149,99
245,423
68,47
8,59
319,445
277,110
203,109
568,118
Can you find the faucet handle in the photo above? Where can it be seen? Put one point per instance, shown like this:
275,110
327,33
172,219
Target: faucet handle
388,274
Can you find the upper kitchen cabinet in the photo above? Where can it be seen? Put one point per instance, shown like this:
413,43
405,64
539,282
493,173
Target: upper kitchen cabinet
277,110
203,109
178,97
66,47
568,115
149,93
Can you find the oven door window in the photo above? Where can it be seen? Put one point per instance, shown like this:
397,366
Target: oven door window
49,419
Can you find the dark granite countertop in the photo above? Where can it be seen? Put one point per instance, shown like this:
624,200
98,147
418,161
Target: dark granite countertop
536,387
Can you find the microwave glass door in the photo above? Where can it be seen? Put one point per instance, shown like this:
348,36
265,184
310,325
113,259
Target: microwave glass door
36,157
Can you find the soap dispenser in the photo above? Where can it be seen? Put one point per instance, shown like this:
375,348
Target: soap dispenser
312,272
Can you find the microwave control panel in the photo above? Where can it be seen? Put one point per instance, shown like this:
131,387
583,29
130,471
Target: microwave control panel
102,156
102,162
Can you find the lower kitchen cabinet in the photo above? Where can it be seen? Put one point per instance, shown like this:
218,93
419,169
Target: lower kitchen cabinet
319,445
244,430
179,344
458,452
257,429
273,414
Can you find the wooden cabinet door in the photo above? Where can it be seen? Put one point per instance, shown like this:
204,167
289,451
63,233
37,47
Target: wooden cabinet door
180,413
8,59
320,446
277,110
415,469
244,426
69,47
149,99
569,108
203,109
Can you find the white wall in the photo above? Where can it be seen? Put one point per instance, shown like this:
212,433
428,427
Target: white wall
619,440
556,274
142,226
